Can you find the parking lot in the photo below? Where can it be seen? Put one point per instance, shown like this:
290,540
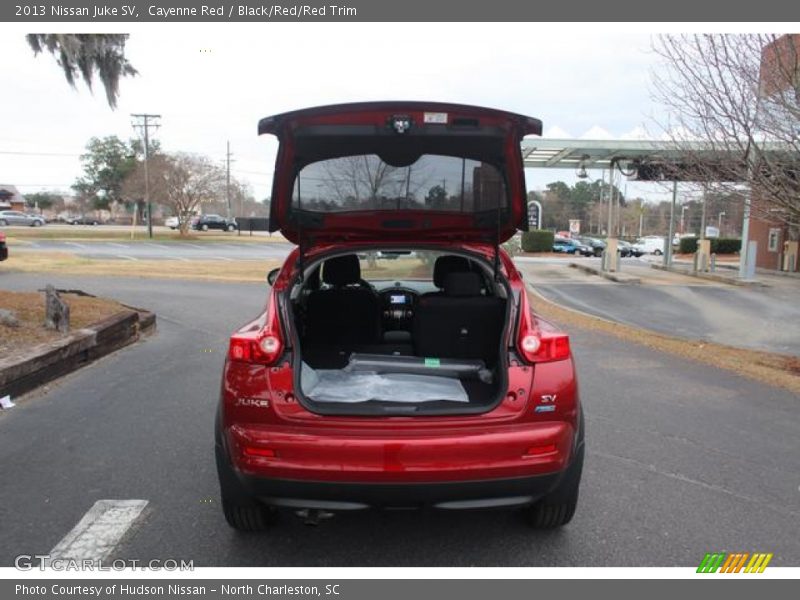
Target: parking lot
683,458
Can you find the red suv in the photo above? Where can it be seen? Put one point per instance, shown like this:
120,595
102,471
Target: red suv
397,362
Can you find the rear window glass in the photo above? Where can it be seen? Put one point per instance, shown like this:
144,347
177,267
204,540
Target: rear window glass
366,182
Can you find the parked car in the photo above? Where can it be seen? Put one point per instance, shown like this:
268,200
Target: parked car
83,220
596,245
651,244
627,249
3,246
15,217
353,390
172,222
206,222
571,246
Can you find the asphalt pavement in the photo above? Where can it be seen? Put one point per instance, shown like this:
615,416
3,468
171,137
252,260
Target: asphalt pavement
167,250
682,459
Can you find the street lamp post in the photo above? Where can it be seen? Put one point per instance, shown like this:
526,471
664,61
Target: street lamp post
683,222
719,222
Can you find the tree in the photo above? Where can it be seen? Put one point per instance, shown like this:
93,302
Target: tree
436,197
83,55
581,201
181,181
106,163
739,95
43,200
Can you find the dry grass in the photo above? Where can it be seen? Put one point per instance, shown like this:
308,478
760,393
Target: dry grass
69,264
28,307
775,369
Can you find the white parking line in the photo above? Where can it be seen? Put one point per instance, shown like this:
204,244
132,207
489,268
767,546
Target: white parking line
118,245
159,245
194,245
100,530
222,258
125,256
76,244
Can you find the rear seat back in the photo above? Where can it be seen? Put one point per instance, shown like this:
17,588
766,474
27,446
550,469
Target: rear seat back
343,314
461,323
444,265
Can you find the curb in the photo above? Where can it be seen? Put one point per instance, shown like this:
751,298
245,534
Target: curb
611,276
51,360
711,277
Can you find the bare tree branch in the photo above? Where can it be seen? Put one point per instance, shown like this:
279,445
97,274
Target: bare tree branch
740,96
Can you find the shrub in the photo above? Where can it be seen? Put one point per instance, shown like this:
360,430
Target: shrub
726,245
718,245
688,245
538,240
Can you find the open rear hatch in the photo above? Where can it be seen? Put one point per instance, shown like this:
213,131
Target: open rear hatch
399,171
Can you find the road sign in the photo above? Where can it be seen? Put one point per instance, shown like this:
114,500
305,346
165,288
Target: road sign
534,215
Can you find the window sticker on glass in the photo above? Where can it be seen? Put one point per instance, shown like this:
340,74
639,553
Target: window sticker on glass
435,118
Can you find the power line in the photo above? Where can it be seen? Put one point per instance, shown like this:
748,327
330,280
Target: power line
24,153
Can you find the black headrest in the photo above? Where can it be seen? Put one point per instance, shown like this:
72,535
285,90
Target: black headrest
462,284
448,263
342,270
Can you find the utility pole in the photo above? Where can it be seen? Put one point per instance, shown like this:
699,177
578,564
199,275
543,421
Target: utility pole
703,216
144,122
671,233
228,177
610,233
620,223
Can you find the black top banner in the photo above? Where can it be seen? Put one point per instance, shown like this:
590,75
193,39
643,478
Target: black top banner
186,11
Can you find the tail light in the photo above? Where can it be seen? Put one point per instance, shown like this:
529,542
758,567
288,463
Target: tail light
261,346
538,342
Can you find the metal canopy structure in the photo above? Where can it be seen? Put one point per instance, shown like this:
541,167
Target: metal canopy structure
593,154
655,160
645,160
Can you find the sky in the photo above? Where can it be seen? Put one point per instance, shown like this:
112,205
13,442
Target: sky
211,84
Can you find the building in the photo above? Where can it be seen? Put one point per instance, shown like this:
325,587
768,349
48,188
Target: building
10,198
780,72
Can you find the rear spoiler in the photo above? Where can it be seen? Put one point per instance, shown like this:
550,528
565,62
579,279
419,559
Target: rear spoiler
274,124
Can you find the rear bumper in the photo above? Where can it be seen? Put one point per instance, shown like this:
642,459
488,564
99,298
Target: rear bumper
481,470
462,495
394,457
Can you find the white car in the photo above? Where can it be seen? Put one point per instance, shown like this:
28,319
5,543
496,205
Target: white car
172,222
651,244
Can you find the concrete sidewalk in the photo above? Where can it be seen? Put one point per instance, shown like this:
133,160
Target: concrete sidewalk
761,318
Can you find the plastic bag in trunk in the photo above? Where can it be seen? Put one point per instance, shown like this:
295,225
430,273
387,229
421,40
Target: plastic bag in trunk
362,386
